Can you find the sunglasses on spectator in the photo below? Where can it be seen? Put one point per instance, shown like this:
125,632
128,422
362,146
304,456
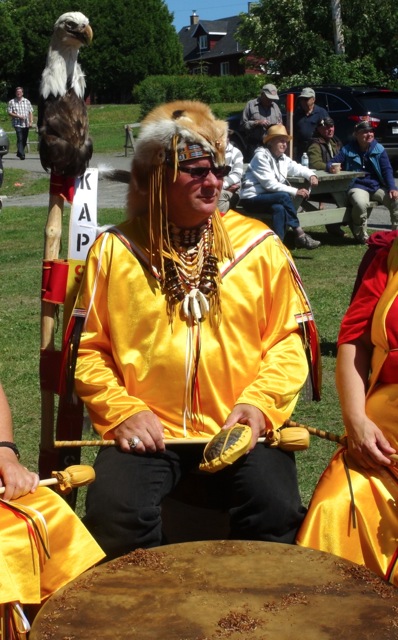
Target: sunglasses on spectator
202,172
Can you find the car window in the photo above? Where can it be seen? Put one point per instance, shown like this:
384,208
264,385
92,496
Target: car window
321,99
379,103
333,103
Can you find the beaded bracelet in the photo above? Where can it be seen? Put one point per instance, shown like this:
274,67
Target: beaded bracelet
12,446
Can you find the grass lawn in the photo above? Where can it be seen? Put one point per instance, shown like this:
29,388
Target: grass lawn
107,123
328,274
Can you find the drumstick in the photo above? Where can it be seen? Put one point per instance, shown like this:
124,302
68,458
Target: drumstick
327,435
320,433
111,443
70,478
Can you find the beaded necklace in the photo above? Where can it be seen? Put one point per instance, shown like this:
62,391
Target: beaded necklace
191,275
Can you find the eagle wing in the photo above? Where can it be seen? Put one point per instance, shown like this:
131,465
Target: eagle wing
64,147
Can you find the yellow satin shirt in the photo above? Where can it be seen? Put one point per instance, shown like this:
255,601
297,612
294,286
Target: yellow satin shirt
131,358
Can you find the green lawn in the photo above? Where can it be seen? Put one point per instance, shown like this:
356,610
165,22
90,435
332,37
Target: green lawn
106,123
328,274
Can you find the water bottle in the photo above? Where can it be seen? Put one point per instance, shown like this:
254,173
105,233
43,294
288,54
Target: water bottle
304,160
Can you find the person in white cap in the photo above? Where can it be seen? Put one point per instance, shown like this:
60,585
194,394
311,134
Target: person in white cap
258,115
306,117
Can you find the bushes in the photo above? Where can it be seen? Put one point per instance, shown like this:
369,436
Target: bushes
155,90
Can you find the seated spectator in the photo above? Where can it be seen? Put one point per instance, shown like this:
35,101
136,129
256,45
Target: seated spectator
258,115
324,145
229,195
265,188
305,119
377,183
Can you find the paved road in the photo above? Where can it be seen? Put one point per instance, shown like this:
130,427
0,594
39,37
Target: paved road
113,195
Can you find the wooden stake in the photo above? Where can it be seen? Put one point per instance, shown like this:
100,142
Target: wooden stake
52,244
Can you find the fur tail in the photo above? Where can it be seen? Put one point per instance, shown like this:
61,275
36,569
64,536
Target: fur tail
115,175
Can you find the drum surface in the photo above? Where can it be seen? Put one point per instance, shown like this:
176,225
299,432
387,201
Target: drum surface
222,590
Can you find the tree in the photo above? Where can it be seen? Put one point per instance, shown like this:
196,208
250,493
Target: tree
297,36
33,21
290,33
137,43
11,49
132,40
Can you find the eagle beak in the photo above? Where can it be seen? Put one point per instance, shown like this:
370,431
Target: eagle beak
86,35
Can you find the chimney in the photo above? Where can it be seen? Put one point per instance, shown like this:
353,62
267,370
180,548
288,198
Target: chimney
194,18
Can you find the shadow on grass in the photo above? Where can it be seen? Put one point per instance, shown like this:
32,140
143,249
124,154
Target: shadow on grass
326,239
329,349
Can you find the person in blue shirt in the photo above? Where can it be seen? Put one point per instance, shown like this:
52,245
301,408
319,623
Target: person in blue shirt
306,117
376,182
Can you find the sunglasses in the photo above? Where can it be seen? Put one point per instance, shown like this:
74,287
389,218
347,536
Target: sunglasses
202,172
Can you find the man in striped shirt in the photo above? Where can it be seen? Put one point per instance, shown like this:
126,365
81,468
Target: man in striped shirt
21,112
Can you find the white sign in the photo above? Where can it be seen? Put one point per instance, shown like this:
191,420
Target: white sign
83,217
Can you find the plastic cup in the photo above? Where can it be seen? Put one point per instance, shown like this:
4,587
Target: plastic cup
336,166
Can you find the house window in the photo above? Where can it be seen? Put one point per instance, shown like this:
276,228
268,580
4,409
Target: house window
224,69
202,42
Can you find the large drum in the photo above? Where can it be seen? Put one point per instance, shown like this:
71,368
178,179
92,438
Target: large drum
216,590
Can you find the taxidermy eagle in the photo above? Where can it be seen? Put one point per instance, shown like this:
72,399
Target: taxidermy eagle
64,146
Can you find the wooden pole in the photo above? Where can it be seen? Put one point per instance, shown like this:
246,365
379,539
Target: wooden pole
52,244
289,122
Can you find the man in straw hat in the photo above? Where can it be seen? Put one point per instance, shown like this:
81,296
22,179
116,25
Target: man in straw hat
190,326
258,115
266,189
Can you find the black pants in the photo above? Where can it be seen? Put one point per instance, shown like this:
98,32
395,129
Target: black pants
259,491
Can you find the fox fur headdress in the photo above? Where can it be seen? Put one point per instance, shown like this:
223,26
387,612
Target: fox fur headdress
165,131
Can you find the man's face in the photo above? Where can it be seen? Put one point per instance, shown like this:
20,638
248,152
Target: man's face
192,199
18,93
307,104
326,132
265,101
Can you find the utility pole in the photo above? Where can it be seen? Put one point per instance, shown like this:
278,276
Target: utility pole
337,27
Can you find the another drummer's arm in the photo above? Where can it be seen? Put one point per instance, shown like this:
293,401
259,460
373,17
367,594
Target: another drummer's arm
366,443
16,479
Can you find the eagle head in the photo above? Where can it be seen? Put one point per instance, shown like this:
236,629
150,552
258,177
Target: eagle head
73,29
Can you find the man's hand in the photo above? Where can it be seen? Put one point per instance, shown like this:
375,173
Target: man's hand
313,181
17,480
144,425
250,415
393,194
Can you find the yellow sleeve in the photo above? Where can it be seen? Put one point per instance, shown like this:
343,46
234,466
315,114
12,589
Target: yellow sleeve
97,380
284,368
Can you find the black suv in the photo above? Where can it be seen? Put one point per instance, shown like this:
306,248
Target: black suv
348,106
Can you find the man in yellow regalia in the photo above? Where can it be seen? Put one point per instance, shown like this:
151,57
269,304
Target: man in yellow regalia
189,323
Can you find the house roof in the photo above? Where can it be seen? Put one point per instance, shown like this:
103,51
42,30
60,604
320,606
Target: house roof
226,45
